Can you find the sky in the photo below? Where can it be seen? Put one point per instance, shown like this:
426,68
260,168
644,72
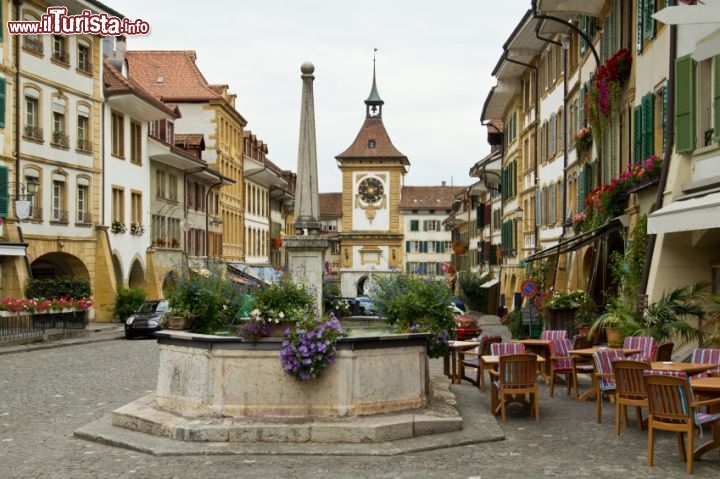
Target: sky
434,61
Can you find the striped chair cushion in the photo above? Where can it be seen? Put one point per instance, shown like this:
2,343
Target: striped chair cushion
553,334
501,349
700,417
603,367
706,356
559,351
646,344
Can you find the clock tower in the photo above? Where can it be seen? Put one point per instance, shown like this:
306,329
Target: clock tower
372,179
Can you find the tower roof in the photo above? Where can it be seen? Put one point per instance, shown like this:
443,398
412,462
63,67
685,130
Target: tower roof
372,141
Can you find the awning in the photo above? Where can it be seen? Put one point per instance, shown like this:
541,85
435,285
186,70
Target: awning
688,14
707,47
13,249
488,284
257,274
577,241
696,213
592,8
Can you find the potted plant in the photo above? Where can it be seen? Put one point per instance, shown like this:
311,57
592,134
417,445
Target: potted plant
614,322
309,347
562,307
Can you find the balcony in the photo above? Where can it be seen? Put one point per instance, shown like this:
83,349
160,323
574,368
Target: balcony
31,132
84,217
61,57
60,140
84,145
36,214
59,216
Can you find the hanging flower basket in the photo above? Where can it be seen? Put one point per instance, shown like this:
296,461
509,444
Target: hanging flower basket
458,248
603,96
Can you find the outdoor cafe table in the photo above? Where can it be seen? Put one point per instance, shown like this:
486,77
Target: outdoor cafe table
688,368
707,388
541,347
450,361
587,353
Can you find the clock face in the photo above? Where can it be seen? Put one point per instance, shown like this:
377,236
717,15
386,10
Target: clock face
370,190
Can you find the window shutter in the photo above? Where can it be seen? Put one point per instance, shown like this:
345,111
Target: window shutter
648,20
664,116
2,99
553,205
538,207
581,191
637,133
407,246
640,20
684,106
648,117
4,199
716,99
581,109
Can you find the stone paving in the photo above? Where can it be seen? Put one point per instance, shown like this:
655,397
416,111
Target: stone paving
47,393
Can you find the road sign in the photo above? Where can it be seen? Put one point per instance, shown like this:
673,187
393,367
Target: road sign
528,288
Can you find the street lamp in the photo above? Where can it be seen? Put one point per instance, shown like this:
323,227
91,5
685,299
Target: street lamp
23,198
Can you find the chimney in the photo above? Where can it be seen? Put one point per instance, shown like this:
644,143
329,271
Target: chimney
443,183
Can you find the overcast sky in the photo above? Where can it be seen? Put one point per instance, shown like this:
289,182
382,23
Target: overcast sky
434,62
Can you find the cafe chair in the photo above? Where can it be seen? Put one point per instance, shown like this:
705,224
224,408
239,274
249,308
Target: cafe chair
629,390
706,356
502,349
673,408
560,363
516,377
645,344
474,360
580,365
553,334
664,351
604,377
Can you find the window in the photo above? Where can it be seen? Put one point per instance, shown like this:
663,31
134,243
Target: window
135,142
172,187
118,204
3,99
58,138
83,129
160,181
82,204
4,192
59,53
33,43
118,134
136,207
84,56
414,225
58,200
32,115
432,225
697,103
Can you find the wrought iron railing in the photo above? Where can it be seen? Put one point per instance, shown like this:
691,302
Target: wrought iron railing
60,139
84,217
19,326
60,216
63,320
33,132
84,145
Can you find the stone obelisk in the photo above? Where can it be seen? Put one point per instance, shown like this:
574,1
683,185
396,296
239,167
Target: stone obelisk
306,249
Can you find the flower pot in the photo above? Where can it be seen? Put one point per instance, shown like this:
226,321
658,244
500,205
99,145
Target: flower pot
277,330
179,322
613,336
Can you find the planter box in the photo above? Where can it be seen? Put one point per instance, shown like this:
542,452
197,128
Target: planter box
561,318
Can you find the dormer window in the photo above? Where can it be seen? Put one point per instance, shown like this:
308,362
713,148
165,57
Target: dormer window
371,144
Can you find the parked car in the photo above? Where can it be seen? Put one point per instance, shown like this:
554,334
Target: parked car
363,306
147,319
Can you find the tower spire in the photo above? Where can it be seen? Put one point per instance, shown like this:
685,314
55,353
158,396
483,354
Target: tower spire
373,104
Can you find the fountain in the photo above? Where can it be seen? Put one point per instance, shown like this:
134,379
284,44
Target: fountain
224,389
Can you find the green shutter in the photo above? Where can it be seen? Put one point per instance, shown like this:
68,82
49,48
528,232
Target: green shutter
407,246
648,20
637,133
2,102
4,199
664,116
684,104
581,193
648,109
716,99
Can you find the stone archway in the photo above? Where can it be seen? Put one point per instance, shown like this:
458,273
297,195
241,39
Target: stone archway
137,275
117,269
361,286
54,265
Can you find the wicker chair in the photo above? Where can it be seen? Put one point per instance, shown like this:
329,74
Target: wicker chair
560,363
603,377
629,390
673,408
516,376
472,359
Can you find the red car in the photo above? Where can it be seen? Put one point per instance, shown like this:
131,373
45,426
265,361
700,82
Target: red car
466,328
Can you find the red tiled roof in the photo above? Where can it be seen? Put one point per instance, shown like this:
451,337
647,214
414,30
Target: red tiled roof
190,139
429,197
372,129
170,75
330,204
115,83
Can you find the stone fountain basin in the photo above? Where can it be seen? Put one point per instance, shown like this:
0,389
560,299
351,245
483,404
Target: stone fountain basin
214,376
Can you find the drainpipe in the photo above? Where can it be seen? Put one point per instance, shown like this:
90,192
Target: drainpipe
667,153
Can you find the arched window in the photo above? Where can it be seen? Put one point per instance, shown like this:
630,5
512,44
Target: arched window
32,43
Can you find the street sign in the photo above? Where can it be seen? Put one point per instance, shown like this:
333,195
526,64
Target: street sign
528,288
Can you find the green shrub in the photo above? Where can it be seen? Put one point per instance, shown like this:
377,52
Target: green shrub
63,286
514,324
127,301
414,304
476,297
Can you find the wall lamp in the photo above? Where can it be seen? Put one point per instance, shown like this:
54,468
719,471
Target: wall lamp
23,197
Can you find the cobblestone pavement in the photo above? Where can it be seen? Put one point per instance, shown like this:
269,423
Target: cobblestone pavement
46,394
